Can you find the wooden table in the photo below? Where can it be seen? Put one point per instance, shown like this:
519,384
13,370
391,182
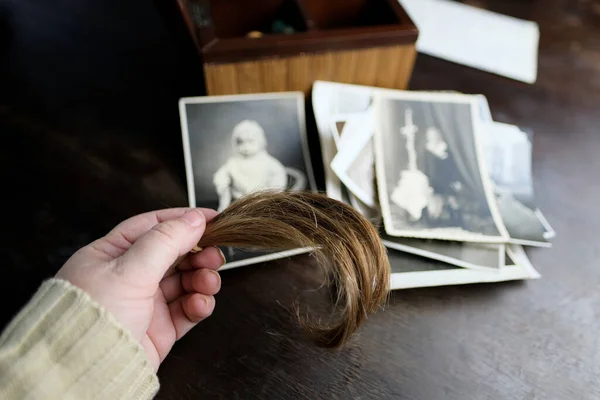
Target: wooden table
89,121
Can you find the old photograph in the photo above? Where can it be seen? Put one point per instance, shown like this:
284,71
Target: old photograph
372,213
413,271
508,154
429,171
331,99
235,145
354,163
481,256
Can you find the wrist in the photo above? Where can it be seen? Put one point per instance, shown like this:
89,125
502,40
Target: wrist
77,349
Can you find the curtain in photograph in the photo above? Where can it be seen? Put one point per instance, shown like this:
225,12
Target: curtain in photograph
455,123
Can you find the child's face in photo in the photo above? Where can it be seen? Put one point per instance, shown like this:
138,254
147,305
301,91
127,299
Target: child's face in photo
248,140
435,143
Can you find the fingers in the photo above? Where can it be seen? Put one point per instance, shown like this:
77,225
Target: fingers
135,227
155,251
188,310
172,288
122,237
203,281
210,257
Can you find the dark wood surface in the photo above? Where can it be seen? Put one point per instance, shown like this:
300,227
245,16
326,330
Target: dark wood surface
89,122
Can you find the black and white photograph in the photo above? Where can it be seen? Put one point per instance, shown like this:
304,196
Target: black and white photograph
354,163
508,152
412,271
431,180
482,256
331,99
337,127
462,254
338,122
372,213
236,145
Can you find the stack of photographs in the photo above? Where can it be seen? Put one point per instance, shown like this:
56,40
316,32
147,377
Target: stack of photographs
450,188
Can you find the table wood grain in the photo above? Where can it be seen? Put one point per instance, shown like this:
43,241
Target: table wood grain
90,129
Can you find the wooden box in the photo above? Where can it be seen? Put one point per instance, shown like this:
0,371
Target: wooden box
367,42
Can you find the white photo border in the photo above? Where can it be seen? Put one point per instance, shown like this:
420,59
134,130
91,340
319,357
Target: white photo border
447,259
343,160
487,188
300,100
523,270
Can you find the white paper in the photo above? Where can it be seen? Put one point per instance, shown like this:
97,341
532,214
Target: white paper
477,38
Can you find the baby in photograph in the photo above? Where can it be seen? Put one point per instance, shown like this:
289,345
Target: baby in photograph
252,168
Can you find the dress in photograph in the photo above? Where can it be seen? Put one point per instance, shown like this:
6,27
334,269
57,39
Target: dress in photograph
236,145
429,173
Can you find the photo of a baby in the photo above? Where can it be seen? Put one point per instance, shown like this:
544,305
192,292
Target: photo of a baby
237,145
252,168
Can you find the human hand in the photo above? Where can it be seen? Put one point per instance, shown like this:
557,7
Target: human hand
142,272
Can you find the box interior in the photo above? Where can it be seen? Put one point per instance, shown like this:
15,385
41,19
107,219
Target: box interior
237,18
334,14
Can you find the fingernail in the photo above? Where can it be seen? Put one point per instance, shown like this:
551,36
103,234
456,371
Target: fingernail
218,276
223,260
195,218
205,301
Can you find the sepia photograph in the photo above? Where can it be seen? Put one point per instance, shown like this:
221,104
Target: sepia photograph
236,145
431,180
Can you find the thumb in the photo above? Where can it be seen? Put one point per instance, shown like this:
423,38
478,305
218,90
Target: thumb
156,250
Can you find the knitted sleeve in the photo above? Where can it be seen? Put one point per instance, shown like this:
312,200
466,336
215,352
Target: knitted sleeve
63,345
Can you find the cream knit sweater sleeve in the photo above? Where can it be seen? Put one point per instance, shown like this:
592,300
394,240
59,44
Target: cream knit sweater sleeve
63,345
